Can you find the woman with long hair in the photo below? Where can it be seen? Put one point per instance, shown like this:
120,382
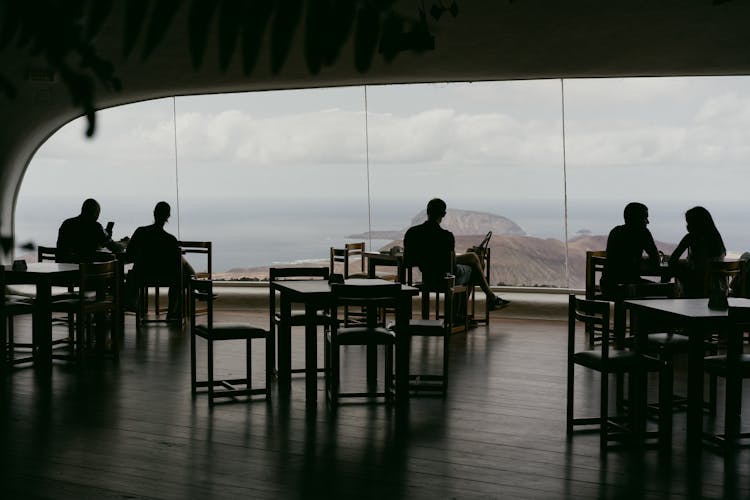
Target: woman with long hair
703,244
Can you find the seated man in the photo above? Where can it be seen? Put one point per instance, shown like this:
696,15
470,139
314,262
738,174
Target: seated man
155,255
82,238
429,247
625,247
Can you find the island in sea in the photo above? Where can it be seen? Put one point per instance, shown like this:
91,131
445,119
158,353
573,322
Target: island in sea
517,259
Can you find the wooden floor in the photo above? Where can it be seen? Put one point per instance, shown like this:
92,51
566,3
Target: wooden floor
132,430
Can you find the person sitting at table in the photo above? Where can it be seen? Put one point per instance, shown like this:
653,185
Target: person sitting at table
703,244
155,253
625,246
82,238
429,247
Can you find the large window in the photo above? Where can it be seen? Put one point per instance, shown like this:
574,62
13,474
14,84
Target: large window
279,177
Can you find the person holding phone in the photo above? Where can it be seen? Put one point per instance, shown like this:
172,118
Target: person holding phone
82,238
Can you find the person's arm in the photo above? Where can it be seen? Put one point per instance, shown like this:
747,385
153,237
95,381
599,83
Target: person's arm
649,247
681,247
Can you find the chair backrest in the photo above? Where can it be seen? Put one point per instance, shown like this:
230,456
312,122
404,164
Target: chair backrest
346,256
296,273
46,254
723,273
292,273
201,291
201,248
647,291
371,297
594,315
100,279
595,261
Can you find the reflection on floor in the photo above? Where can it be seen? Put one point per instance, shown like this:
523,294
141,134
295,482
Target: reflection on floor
132,430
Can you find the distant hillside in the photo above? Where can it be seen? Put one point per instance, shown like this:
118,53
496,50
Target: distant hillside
459,222
517,259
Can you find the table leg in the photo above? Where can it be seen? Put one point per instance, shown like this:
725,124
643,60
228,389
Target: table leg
311,354
284,341
42,327
403,349
695,390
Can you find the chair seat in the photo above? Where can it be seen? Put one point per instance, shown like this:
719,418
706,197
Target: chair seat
669,340
427,327
13,306
74,304
231,331
717,365
619,360
362,335
297,318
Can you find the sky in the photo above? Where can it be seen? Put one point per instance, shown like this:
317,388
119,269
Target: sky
482,146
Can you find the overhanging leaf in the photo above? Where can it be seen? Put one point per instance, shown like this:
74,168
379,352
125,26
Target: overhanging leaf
161,18
199,21
282,31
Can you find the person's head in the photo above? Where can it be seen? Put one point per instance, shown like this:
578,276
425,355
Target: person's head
90,209
636,214
699,221
436,209
162,211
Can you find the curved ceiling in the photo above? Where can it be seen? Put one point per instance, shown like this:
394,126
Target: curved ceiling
492,40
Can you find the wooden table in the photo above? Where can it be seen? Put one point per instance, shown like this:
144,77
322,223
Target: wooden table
316,295
696,319
43,275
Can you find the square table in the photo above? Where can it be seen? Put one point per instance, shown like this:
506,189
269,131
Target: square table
43,275
316,295
696,319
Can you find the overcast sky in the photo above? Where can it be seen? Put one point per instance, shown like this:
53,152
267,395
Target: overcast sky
480,145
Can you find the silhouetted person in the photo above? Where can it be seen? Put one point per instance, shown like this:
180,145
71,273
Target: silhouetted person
429,247
625,247
703,244
156,258
81,238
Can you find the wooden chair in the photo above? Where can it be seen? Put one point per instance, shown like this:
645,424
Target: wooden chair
370,334
440,328
95,306
297,318
595,262
351,259
720,274
46,254
663,343
606,361
203,248
733,367
201,293
152,277
10,307
434,288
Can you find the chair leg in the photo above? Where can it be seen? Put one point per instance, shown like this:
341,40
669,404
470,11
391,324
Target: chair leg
210,372
603,410
666,389
569,413
193,385
248,366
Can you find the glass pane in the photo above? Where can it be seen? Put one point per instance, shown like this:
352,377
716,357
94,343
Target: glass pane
271,177
671,143
492,151
127,167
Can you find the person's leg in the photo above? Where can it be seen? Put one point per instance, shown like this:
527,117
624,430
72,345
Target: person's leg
477,273
471,260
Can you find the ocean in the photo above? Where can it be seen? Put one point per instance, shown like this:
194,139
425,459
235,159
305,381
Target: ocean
253,233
